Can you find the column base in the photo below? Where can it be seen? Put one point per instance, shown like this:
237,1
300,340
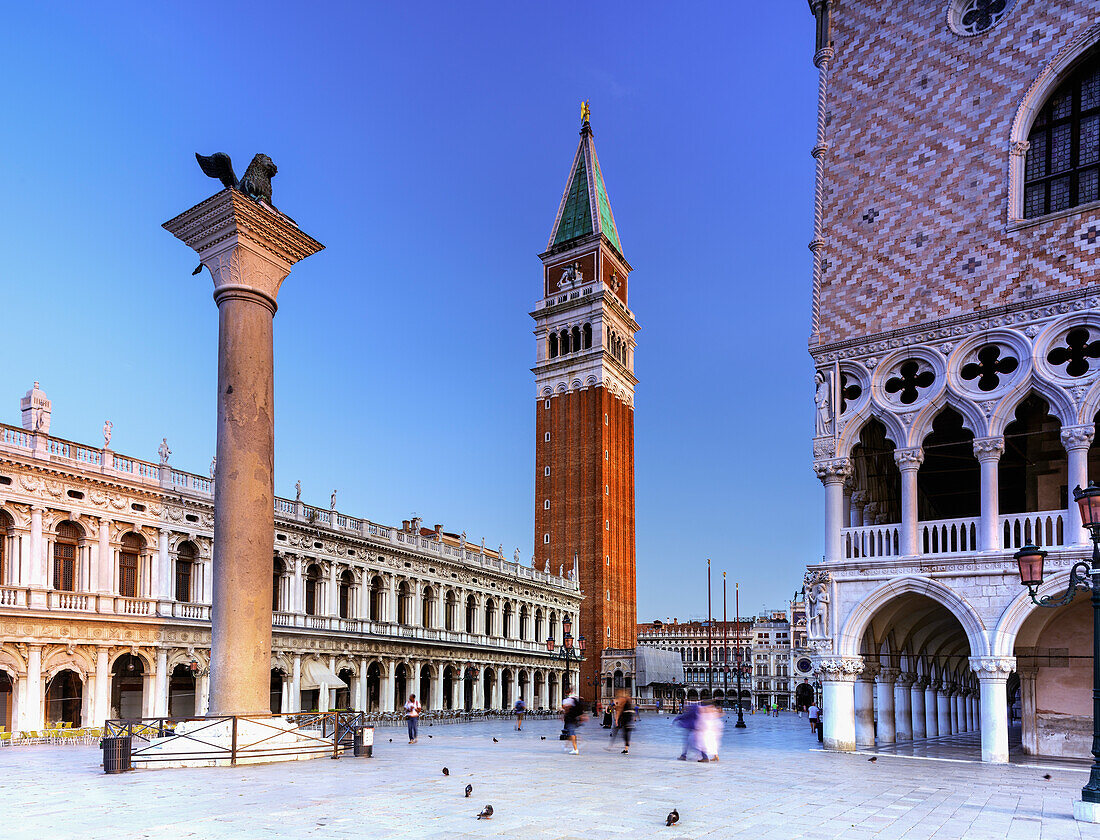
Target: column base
1086,811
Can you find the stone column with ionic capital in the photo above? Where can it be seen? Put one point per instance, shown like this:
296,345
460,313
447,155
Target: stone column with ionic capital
838,678
988,451
909,461
1076,440
249,248
993,673
884,701
833,474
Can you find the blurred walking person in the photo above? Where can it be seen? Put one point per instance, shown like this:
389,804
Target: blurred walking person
572,716
687,719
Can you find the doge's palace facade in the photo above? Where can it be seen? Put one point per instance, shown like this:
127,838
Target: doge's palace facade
105,571
956,343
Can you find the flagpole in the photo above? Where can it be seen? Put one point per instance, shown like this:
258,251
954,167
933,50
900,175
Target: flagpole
710,649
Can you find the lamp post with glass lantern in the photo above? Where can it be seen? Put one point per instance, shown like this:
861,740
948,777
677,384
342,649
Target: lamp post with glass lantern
568,652
1082,575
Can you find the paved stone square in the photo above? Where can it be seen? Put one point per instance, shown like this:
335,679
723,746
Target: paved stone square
771,782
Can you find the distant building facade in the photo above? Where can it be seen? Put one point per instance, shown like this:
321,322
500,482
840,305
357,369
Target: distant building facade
105,575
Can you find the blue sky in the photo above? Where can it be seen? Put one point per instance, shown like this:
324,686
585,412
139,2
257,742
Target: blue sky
427,145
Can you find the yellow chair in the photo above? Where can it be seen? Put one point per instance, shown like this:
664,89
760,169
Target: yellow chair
5,739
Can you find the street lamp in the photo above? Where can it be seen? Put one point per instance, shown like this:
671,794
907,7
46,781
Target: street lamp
1030,560
568,652
741,667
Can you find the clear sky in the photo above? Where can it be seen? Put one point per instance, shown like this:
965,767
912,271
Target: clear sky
427,146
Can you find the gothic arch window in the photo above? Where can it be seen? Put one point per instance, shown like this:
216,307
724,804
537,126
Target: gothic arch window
553,345
186,555
1062,169
313,583
69,535
128,560
587,336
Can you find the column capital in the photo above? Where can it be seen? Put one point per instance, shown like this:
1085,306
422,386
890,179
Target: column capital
920,683
870,671
909,459
833,471
989,448
1077,437
887,675
839,668
860,498
993,667
905,680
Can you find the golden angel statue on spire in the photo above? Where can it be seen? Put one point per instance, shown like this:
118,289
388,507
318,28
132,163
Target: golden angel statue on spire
585,113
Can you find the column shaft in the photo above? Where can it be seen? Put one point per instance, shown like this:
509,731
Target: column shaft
838,697
988,452
916,700
865,711
884,697
909,461
931,713
943,711
903,709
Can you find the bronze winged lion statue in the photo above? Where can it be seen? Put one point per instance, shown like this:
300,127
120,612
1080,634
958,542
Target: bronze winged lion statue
256,183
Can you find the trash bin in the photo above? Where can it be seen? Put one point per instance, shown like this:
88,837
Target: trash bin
363,742
116,754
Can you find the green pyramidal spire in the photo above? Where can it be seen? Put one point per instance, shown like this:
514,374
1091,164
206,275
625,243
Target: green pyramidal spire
585,207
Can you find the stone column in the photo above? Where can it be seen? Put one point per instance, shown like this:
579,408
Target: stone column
437,688
1029,729
988,451
846,503
391,601
858,503
884,700
33,706
865,705
202,692
1076,440
903,707
386,678
931,707
101,708
164,566
479,689
249,249
284,697
909,461
838,678
916,700
943,709
833,474
160,684
993,672
296,684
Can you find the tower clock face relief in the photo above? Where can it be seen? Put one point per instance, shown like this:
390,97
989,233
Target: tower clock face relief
804,665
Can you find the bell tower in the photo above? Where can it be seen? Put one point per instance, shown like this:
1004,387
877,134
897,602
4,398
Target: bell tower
584,383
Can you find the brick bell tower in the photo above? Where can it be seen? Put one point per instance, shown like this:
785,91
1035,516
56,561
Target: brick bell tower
584,446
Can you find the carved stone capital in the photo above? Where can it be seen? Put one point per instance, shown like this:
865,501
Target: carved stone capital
888,675
1019,148
909,459
1077,437
860,498
870,671
833,471
989,448
839,668
920,683
905,680
992,667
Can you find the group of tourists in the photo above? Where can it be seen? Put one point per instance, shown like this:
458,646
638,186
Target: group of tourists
702,724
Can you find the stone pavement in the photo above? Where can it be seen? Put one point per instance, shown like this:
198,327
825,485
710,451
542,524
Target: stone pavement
771,784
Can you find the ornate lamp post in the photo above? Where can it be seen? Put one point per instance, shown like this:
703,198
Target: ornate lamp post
1030,560
568,652
742,670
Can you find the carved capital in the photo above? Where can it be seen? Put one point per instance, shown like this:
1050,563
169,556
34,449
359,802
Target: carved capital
833,471
1077,437
920,683
989,448
905,680
909,459
822,57
992,667
1019,148
888,675
870,671
839,668
860,498
813,578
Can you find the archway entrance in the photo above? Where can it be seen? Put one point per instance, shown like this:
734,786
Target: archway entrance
488,679
468,691
400,686
126,687
425,691
7,692
181,692
343,695
448,688
506,688
803,695
64,695
374,687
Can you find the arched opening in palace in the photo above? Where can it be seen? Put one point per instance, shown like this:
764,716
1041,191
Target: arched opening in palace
187,555
1032,473
1053,652
127,680
129,564
404,597
523,618
803,695
343,699
552,629
7,694
65,548
347,581
875,474
490,618
427,607
949,480
275,692
376,590
692,694
424,692
471,614
448,687
181,692
64,698
539,637
506,688
374,687
524,691
313,585
552,684
467,690
450,610
400,686
506,629
278,570
488,680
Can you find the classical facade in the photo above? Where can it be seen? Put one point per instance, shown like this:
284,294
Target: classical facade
105,591
584,386
956,341
771,660
706,654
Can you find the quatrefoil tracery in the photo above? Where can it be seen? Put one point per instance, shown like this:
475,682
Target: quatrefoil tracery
989,368
910,382
1076,353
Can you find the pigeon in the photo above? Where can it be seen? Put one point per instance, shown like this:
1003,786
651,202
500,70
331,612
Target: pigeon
1046,775
495,741
391,740
543,737
873,758
486,813
446,772
673,817
469,790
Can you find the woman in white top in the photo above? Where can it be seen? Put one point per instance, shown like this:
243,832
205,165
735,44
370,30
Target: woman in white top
412,716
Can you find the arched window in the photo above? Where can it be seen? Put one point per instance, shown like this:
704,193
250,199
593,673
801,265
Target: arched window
186,555
523,623
313,583
587,336
490,614
450,610
563,342
278,569
346,581
471,613
128,559
427,602
403,598
1063,162
553,347
506,630
576,338
376,598
6,575
64,556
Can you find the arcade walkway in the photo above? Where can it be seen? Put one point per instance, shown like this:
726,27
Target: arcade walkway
968,747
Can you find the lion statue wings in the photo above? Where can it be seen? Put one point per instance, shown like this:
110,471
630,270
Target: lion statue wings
256,183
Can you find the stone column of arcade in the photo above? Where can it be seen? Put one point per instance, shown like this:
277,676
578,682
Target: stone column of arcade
249,249
838,679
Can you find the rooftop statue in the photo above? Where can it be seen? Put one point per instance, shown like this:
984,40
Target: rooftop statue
256,183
